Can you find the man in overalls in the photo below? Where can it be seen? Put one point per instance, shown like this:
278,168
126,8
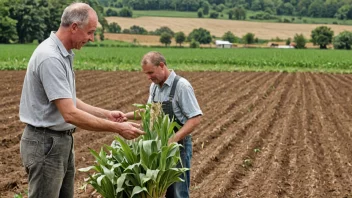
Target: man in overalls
179,102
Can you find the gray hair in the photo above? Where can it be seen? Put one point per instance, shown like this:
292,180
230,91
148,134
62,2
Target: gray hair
76,13
155,58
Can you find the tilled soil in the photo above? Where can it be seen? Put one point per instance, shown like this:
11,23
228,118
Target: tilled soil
262,134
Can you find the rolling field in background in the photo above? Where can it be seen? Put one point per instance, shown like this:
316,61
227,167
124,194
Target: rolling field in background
217,27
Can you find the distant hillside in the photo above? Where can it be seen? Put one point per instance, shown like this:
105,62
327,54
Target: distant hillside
217,27
339,9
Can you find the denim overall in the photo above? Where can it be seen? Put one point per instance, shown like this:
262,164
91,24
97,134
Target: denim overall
178,189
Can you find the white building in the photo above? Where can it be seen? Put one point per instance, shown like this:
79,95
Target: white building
223,44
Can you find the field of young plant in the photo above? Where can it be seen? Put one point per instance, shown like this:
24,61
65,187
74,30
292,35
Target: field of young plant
14,57
263,134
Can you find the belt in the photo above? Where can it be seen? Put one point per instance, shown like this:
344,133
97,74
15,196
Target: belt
44,129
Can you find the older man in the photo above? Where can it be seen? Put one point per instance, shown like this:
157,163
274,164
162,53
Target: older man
51,110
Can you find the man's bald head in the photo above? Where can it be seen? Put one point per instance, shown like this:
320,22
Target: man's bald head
77,13
154,58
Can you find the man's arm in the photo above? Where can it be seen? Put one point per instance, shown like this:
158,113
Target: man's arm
88,121
116,116
187,128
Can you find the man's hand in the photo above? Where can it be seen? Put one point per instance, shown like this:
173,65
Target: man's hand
130,130
116,116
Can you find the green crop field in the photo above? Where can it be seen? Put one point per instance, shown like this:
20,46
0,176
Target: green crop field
15,57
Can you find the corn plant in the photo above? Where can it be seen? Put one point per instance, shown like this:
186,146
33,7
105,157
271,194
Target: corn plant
144,167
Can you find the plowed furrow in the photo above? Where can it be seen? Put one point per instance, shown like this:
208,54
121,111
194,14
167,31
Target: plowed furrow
241,140
271,180
93,93
336,142
227,105
244,104
321,173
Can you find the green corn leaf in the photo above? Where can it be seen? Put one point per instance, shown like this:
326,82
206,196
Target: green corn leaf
137,190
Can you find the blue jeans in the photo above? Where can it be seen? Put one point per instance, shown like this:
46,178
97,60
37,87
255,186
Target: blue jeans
48,158
181,189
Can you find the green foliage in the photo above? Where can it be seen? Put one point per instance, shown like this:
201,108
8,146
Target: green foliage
200,13
205,7
201,35
144,167
263,16
322,36
343,40
194,44
300,41
138,30
316,9
237,13
8,31
249,38
214,15
163,29
126,12
288,41
30,18
111,12
180,37
114,28
229,36
165,38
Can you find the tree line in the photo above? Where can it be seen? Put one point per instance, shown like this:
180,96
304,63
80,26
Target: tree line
340,9
24,21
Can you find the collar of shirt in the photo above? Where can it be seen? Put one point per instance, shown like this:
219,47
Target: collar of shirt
170,79
62,49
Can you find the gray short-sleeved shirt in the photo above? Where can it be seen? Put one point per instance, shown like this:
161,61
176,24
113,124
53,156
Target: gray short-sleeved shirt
184,103
49,76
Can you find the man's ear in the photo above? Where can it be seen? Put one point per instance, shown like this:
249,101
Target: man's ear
74,27
162,65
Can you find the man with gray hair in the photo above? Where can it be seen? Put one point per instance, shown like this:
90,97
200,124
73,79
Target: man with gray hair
179,102
51,110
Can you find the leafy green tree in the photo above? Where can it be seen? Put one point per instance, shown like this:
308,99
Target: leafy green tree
256,5
206,7
180,37
138,30
288,41
248,38
214,15
285,9
344,12
114,27
322,36
111,12
162,29
165,38
201,35
229,36
200,13
300,41
343,40
316,9
194,44
125,12
331,7
8,31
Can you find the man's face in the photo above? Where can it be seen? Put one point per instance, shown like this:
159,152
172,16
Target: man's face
82,35
155,73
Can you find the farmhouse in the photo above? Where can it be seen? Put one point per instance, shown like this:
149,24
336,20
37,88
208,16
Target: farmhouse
223,44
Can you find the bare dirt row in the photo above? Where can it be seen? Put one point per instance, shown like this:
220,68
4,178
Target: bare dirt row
262,134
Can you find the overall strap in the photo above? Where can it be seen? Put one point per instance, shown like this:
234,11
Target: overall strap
154,92
173,88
